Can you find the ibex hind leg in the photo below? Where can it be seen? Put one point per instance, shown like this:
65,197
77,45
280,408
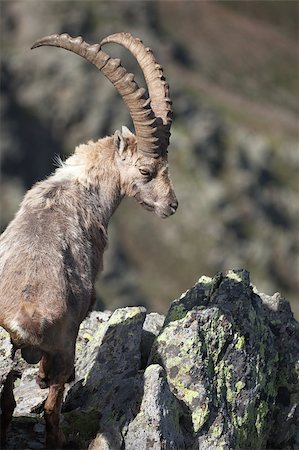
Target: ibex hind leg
55,370
43,375
7,404
55,367
54,436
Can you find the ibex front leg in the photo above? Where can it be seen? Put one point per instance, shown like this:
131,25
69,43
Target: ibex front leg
54,436
55,370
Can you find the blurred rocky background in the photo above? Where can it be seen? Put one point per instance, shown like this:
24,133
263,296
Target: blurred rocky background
234,155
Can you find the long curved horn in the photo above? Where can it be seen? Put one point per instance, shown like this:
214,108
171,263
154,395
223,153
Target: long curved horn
143,117
157,87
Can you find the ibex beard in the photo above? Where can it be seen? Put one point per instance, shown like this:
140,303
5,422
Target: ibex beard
52,251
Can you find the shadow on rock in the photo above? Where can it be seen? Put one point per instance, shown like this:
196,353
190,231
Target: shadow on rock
110,387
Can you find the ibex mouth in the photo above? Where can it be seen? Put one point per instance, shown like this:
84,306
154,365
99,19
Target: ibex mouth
147,206
164,215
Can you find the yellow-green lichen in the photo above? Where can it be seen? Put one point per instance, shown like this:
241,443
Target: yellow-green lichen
124,315
200,416
262,412
239,386
236,275
224,382
216,333
177,312
246,436
179,360
211,340
216,431
87,336
205,280
240,342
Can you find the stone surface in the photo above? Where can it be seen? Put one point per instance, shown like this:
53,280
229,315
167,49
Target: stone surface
151,328
229,366
28,395
222,373
6,363
158,423
285,426
107,383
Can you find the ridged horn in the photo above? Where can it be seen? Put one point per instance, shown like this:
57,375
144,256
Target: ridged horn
157,87
143,117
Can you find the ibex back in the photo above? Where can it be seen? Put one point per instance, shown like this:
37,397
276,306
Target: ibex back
52,251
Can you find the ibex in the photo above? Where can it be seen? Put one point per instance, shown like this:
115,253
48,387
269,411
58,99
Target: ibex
53,249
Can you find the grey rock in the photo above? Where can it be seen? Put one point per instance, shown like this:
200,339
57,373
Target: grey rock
6,363
106,441
158,424
26,392
29,397
222,373
286,409
225,361
151,328
107,368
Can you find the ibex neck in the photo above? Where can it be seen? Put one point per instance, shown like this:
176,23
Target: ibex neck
93,169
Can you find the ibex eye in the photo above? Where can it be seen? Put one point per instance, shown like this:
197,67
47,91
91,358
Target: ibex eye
144,172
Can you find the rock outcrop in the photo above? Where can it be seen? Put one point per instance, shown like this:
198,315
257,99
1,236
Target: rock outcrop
220,372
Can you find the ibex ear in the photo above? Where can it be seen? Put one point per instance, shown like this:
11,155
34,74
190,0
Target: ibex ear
119,143
126,132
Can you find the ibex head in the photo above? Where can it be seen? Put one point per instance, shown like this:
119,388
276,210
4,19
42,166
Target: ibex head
142,159
143,177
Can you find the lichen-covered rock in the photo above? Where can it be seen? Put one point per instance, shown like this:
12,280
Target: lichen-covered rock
107,368
90,336
158,423
222,359
222,374
285,429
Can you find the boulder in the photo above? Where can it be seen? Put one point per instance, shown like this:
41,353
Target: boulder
225,359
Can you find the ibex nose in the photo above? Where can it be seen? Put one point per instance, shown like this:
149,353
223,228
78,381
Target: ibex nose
174,206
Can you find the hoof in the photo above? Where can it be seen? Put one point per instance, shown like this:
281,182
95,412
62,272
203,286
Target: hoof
55,441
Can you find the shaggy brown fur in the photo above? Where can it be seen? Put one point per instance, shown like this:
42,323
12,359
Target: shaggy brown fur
52,251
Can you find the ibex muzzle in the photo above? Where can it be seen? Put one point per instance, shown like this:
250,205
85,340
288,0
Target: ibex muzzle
52,251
